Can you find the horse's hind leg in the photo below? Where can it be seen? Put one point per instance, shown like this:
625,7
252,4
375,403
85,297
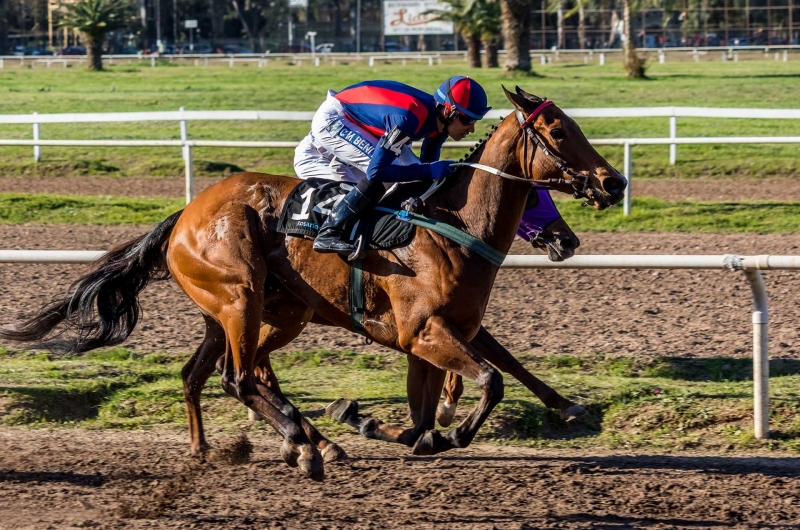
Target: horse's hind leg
423,386
221,267
195,373
272,338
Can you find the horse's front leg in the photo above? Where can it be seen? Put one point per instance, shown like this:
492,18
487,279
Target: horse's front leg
443,346
495,353
423,385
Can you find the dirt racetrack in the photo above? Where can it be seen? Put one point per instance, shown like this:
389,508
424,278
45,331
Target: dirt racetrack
110,479
72,478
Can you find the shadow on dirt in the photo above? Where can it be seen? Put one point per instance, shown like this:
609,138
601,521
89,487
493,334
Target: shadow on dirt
79,479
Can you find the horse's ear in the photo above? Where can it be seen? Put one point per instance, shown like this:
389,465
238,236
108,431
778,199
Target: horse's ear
519,101
530,97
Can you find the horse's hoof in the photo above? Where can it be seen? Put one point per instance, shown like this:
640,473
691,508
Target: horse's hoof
288,454
369,427
342,410
333,453
445,414
200,452
573,413
431,443
310,462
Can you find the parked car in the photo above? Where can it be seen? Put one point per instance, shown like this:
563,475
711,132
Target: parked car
197,48
395,47
235,48
326,47
737,41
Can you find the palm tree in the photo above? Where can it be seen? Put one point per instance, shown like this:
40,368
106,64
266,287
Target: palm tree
516,16
94,19
488,22
462,16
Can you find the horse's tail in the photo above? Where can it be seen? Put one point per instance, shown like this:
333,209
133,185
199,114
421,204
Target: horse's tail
102,306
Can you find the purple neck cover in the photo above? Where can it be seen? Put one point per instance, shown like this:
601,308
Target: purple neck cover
537,218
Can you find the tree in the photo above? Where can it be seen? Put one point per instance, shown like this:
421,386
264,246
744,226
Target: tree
94,19
462,17
478,21
516,16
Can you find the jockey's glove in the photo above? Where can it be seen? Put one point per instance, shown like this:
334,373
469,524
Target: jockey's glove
442,169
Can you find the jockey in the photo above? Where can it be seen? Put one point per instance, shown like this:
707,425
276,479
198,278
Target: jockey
363,135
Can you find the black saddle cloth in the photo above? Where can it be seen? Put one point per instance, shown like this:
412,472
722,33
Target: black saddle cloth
310,202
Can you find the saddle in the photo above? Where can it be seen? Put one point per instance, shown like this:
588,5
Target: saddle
311,201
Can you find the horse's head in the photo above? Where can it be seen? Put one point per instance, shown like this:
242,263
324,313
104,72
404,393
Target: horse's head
553,149
544,227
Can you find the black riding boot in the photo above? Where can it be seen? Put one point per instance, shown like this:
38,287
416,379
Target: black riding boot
360,198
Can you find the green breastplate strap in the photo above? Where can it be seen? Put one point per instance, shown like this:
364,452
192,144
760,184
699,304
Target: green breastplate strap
484,250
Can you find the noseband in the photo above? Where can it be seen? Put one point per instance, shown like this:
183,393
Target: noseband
578,182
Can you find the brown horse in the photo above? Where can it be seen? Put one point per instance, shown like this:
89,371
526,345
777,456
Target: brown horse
426,299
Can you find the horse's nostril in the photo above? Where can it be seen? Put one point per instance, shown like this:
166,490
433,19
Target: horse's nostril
614,184
567,244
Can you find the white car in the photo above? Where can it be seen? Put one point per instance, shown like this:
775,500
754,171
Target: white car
326,47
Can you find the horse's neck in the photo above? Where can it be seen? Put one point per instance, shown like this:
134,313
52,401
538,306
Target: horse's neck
487,206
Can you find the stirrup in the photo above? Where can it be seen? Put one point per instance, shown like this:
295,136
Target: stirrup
358,250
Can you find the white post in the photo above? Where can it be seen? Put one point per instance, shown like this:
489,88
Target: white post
205,62
602,59
230,62
1,64
184,133
543,60
152,62
736,57
760,354
724,57
673,133
785,56
662,57
316,61
37,150
627,168
187,154
430,61
372,61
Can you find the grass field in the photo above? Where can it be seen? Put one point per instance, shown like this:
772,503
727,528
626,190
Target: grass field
648,215
667,404
288,87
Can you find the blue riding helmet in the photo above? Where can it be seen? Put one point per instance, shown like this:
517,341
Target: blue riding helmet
465,94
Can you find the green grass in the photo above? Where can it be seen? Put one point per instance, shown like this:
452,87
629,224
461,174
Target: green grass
286,87
649,215
665,404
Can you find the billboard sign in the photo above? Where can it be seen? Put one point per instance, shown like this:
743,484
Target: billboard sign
405,17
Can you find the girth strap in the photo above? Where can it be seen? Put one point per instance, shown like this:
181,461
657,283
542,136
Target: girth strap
484,250
357,296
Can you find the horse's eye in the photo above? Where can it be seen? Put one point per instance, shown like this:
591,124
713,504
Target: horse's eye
557,134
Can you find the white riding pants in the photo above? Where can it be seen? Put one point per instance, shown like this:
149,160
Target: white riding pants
337,148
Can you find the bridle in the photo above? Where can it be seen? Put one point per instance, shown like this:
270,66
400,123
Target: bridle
578,182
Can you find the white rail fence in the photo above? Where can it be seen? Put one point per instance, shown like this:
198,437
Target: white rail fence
183,117
726,53
750,265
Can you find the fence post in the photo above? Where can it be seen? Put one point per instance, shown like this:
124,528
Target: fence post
1,64
602,59
230,62
187,157
673,133
760,354
785,56
662,57
372,61
37,150
627,167
184,133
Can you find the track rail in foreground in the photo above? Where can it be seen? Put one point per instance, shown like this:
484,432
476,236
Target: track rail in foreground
750,265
